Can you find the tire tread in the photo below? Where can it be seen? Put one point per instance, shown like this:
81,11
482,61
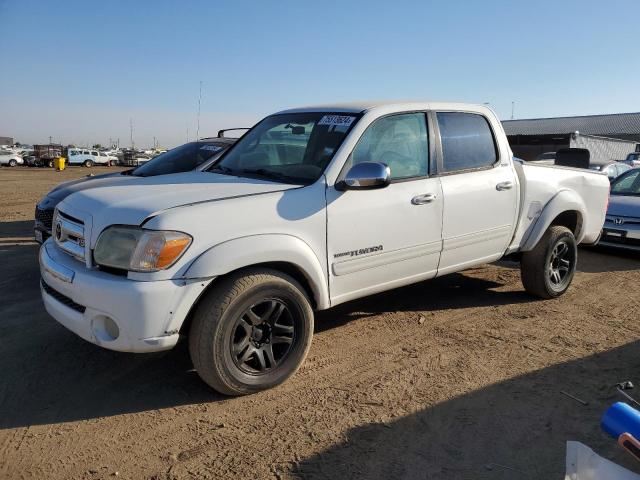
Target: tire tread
207,317
532,264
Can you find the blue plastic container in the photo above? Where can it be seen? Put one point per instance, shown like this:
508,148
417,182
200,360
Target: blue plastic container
621,418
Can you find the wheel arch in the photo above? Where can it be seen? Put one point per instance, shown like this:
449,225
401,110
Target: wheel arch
281,252
567,209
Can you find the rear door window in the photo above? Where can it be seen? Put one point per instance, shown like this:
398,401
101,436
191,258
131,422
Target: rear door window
467,141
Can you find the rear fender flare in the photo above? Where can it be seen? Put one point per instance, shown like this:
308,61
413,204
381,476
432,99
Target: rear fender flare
563,201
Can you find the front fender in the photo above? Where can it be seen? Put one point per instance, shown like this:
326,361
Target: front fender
256,249
563,201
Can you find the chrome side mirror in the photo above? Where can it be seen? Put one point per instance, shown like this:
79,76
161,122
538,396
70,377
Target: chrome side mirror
366,175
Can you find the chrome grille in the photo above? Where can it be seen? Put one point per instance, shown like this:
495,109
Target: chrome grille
68,233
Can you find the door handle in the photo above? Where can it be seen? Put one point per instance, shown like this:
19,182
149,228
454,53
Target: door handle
504,186
422,199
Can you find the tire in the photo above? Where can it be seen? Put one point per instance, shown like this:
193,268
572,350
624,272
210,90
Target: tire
548,269
88,163
12,163
239,321
50,163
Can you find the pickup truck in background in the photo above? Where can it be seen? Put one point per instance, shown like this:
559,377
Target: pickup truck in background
311,208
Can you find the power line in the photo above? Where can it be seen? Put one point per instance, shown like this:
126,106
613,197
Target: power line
199,102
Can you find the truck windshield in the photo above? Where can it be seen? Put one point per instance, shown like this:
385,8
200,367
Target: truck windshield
627,183
290,148
180,159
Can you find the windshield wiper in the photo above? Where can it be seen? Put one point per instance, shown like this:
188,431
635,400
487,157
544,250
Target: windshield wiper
271,175
222,169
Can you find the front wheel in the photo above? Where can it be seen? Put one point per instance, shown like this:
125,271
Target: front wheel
548,269
88,163
251,332
13,163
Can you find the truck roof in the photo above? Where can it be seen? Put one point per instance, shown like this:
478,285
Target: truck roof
400,105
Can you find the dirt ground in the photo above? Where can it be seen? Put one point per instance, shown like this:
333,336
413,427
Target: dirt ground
454,378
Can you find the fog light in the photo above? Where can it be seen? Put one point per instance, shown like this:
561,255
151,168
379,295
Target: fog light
105,328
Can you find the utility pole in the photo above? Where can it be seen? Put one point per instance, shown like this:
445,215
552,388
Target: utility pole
154,143
513,107
199,102
131,131
187,132
49,139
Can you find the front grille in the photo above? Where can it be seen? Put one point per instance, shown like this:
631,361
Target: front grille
45,217
625,220
62,298
69,235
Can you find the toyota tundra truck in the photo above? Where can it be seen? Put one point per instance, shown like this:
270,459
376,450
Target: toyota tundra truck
311,208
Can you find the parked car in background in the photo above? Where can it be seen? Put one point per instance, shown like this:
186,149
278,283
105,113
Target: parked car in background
190,156
633,159
10,159
612,169
622,223
311,208
89,157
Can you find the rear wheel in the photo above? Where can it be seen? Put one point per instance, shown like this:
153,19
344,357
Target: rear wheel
88,163
50,163
251,332
548,269
12,163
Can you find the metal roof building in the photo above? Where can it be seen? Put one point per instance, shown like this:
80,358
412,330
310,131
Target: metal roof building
607,137
625,126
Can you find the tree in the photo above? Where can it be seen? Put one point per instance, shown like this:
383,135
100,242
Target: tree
97,145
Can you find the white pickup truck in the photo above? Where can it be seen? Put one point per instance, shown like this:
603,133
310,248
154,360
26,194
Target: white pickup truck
311,208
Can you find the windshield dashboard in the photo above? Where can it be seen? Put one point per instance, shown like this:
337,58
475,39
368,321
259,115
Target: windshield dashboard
289,148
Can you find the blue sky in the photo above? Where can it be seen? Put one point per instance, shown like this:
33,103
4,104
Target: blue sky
78,70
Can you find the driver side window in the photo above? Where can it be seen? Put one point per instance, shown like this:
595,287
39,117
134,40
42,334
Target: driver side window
400,141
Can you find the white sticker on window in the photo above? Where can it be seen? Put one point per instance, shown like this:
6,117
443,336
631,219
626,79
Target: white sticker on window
212,148
337,120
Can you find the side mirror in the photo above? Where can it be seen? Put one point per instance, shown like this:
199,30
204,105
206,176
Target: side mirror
366,176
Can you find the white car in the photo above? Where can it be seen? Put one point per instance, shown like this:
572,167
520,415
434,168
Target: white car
11,159
311,208
89,158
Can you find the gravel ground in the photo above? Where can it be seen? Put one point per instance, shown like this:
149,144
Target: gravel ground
454,378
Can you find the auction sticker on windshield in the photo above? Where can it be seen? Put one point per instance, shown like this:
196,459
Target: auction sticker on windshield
212,148
337,120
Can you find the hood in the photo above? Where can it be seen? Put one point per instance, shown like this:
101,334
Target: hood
624,206
65,189
131,202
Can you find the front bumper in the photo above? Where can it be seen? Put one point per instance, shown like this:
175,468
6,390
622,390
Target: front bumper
112,311
624,235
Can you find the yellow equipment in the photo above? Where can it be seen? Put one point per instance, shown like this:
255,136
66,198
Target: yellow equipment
59,164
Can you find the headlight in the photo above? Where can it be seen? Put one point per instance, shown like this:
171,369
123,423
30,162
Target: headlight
140,250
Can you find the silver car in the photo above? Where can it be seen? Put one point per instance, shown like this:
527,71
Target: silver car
622,224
